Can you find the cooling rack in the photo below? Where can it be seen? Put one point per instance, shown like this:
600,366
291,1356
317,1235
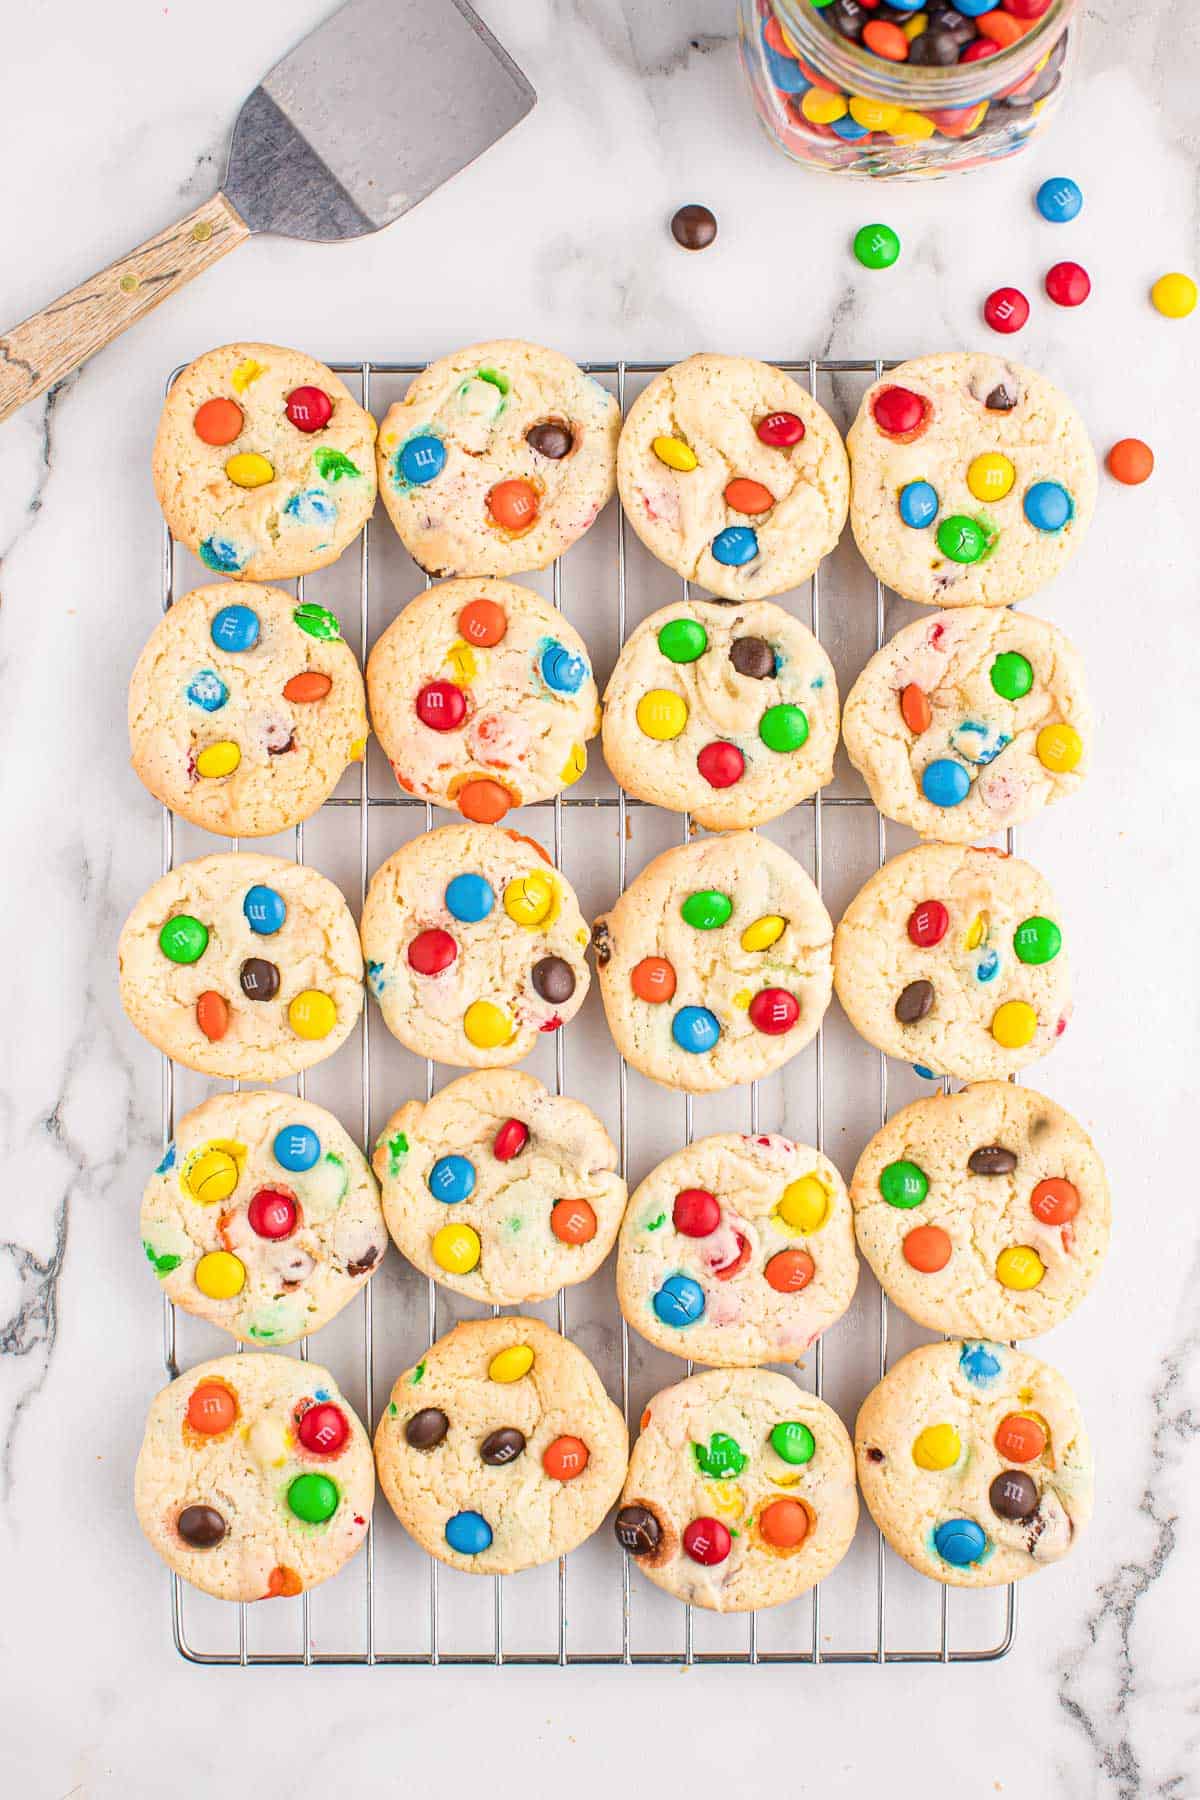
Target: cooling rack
393,1605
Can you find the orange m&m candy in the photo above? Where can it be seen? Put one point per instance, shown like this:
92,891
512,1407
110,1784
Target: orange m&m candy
1054,1202
1000,26
790,1271
915,709
746,496
483,622
482,801
783,1524
212,1016
927,1248
310,685
1130,461
218,421
211,1408
1020,1438
513,504
572,1221
886,39
565,1458
653,979
283,1583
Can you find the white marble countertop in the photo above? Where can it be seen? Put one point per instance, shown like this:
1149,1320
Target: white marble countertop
114,122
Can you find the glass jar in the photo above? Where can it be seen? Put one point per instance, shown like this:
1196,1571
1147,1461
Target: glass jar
833,104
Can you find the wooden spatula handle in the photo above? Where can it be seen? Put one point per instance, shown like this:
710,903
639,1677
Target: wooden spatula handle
48,346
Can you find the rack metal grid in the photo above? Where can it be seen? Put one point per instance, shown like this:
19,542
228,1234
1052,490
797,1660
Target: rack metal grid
878,1569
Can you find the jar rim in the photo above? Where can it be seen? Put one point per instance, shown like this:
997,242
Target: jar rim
956,85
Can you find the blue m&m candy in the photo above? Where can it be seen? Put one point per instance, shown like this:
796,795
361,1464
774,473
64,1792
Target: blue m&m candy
451,1179
679,1300
971,9
849,130
979,1364
561,671
469,898
222,557
1048,506
960,1542
785,72
296,1148
1059,199
735,546
206,689
235,628
695,1029
422,459
265,910
945,783
469,1533
918,504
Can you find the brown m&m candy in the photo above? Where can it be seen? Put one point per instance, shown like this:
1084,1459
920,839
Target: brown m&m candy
259,978
991,1159
694,227
1013,1494
752,656
553,979
551,439
914,1002
502,1446
426,1429
201,1526
638,1531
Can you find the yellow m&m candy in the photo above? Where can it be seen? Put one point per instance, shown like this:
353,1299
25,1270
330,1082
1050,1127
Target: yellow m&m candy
805,1204
913,125
822,107
529,899
937,1447
574,766
1014,1025
764,932
211,1176
312,1014
1059,748
661,714
1174,295
990,477
218,759
487,1026
511,1364
875,115
249,470
675,453
1019,1267
456,1249
220,1275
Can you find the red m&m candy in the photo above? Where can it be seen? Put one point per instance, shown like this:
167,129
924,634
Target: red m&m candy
774,1011
1026,9
309,408
722,765
696,1212
510,1140
1006,309
323,1429
733,1265
441,705
1068,284
899,412
707,1541
977,49
780,429
431,951
272,1213
928,923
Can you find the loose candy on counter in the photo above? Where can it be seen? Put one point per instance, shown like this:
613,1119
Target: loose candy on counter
694,227
1059,199
1130,461
1006,310
877,246
1174,295
1068,284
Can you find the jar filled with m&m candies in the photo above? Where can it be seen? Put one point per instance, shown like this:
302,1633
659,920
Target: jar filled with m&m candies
905,87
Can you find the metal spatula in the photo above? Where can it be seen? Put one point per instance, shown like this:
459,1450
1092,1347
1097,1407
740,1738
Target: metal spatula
372,111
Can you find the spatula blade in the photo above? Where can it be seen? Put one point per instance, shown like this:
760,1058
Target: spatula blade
372,111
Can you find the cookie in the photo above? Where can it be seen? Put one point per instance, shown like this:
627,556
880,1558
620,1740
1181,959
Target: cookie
733,475
255,1479
715,963
474,944
482,697
953,959
501,1448
974,1462
497,459
242,965
972,480
729,713
970,722
263,1217
983,1213
737,1250
740,1492
264,463
245,709
502,1191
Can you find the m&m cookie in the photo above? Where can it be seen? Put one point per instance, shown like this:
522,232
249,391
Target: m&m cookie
255,1479
264,463
242,965
733,475
973,480
474,944
954,959
727,712
482,697
737,1250
740,1491
974,1462
497,459
501,1449
498,1189
715,963
262,1217
984,1212
244,709
970,722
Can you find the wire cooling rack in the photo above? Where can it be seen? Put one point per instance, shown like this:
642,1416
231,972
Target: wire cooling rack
393,1604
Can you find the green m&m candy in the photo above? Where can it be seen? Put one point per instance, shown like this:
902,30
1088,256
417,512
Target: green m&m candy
1012,675
876,246
313,1498
1037,940
783,728
183,939
683,640
963,540
904,1185
318,621
722,1457
793,1441
706,909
